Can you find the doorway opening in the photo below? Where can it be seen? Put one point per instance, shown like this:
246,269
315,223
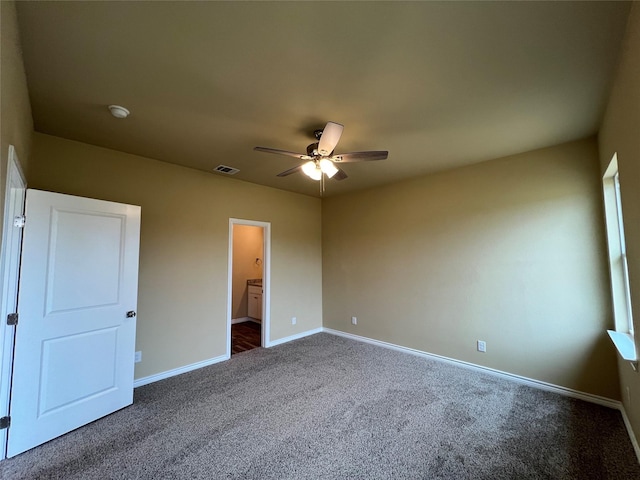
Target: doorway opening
248,312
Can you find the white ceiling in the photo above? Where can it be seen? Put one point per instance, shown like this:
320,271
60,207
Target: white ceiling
438,84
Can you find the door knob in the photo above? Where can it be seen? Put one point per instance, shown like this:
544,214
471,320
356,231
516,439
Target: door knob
131,314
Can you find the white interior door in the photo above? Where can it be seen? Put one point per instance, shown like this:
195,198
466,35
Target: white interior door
75,340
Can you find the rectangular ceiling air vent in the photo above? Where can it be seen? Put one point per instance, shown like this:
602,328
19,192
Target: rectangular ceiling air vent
226,170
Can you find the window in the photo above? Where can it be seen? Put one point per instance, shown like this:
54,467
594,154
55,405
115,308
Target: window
623,335
623,255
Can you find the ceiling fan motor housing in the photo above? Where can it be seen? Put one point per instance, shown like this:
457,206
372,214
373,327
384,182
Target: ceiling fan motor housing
312,150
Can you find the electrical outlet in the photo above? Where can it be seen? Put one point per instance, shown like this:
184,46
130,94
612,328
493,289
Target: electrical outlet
482,346
138,357
294,320
354,321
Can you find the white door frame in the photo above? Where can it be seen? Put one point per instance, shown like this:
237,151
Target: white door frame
9,268
266,280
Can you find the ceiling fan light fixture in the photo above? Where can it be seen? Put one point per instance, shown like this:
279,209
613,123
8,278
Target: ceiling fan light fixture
311,170
328,168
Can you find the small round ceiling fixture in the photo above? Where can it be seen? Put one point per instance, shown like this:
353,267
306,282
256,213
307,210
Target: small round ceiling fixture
118,111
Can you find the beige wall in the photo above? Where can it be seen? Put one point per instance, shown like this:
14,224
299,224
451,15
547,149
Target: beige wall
16,124
508,251
620,133
182,300
247,247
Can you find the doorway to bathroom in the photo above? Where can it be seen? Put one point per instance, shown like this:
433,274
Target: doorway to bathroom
248,310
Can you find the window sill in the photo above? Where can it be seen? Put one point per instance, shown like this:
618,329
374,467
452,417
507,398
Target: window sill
624,344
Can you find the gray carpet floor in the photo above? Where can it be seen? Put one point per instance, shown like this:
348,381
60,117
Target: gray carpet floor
326,407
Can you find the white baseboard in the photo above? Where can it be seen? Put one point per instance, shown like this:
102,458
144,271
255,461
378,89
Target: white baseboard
632,436
241,320
205,363
297,336
604,401
607,402
177,371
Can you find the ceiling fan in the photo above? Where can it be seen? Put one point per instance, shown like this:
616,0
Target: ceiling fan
320,159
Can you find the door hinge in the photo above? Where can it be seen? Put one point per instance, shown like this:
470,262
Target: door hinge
12,319
19,221
5,422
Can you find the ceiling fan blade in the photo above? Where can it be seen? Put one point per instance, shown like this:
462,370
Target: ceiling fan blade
281,152
360,156
329,138
290,171
340,174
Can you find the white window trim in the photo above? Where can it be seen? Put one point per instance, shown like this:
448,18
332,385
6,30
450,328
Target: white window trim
623,254
623,336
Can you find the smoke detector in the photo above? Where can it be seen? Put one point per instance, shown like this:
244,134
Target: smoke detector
118,111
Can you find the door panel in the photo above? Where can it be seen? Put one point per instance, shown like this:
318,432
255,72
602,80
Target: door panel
98,350
71,281
74,351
